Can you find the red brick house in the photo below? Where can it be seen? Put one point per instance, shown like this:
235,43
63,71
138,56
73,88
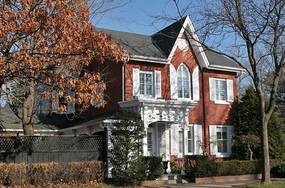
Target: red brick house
183,93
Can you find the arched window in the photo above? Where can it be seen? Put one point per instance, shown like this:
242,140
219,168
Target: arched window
183,82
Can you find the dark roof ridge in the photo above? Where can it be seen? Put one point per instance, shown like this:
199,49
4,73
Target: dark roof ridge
126,32
182,20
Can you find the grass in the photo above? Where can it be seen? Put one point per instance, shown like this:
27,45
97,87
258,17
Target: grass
90,186
271,185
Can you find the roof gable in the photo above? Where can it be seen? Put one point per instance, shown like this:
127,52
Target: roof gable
160,47
166,38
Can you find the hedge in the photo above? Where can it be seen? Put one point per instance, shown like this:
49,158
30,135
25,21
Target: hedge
153,167
278,171
201,166
44,174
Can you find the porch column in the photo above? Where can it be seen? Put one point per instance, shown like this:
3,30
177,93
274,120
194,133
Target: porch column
167,142
145,150
168,146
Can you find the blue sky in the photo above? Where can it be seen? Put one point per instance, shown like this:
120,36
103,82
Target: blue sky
138,16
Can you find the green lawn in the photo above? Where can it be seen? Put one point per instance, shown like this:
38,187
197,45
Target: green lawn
272,185
83,186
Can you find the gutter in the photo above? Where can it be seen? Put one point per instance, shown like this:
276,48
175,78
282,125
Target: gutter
21,130
229,69
149,59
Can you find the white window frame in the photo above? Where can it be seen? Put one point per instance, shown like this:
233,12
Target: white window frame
216,93
145,88
153,146
191,127
189,84
180,141
222,139
214,142
228,91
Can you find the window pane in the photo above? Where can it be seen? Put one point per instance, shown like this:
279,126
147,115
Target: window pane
224,135
141,78
190,133
180,95
221,90
146,83
220,146
190,146
222,139
149,78
190,140
186,93
183,82
149,142
180,141
142,89
149,89
225,147
219,135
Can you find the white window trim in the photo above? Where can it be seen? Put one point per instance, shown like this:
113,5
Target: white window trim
186,140
217,100
153,85
229,145
189,82
180,153
221,102
225,102
151,130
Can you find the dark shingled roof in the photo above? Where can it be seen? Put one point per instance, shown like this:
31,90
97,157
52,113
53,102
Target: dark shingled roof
220,60
135,44
166,37
160,44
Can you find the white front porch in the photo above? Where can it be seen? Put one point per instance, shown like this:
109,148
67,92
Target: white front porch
166,139
167,129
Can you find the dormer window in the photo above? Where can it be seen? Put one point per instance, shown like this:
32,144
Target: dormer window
183,82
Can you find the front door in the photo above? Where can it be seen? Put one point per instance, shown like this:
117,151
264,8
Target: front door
161,141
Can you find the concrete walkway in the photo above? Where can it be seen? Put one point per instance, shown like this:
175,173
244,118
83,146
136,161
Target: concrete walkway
226,185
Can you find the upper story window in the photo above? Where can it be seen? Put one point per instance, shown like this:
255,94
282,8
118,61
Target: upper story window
146,83
183,82
221,90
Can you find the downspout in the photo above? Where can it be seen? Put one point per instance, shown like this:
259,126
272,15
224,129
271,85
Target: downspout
204,116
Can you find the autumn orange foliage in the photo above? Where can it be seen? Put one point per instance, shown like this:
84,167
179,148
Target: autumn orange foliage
52,43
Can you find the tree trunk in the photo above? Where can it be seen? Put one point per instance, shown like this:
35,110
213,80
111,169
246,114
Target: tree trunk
250,152
265,146
27,111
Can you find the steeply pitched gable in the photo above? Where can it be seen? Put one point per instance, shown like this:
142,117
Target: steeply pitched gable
161,45
165,38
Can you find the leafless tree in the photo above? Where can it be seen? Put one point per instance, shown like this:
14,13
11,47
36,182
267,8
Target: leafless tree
253,34
100,7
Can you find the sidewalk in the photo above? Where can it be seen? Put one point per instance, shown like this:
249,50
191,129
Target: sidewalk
226,185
